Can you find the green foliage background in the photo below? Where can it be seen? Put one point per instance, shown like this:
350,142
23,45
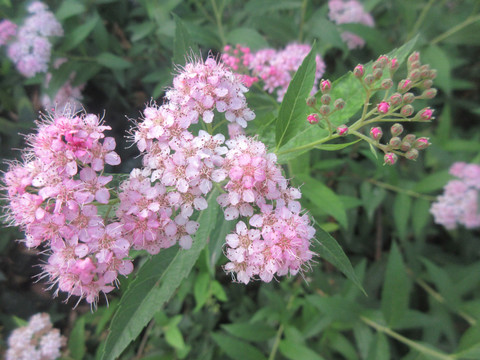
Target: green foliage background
388,283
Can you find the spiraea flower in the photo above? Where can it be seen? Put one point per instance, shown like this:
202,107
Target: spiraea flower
459,203
37,340
8,30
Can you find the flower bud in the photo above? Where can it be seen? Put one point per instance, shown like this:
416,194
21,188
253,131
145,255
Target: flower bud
325,99
414,65
424,71
394,64
396,99
409,138
432,74
411,154
311,101
383,107
339,104
427,84
404,85
342,130
369,79
396,129
359,71
387,84
429,93
408,98
405,145
377,73
414,75
324,110
376,133
390,159
325,86
313,118
382,60
395,142
421,143
425,114
415,56
407,110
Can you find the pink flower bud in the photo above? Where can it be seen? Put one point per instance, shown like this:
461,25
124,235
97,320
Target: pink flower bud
394,64
396,129
313,118
414,75
377,73
342,130
376,133
395,142
405,145
408,98
429,93
324,110
383,60
432,74
325,99
386,84
407,110
427,84
396,99
359,71
411,154
390,159
404,85
425,114
409,138
415,65
339,104
421,143
383,107
325,86
311,101
369,79
414,57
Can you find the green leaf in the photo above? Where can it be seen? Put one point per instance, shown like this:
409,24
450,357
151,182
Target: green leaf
469,347
420,216
396,288
154,284
215,246
334,147
372,197
433,182
248,37
438,59
69,8
237,349
200,290
183,44
113,61
217,291
174,337
333,253
74,38
324,198
250,331
379,348
294,109
401,214
76,340
295,351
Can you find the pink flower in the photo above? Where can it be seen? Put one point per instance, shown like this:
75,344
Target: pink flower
313,118
390,159
376,133
8,30
383,107
342,130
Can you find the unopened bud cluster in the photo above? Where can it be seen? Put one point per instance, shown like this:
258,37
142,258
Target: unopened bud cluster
326,106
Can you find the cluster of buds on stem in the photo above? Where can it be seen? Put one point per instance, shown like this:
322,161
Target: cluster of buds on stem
324,109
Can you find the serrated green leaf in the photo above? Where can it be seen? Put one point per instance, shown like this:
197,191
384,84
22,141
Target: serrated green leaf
294,109
113,61
333,253
154,284
76,340
69,8
183,44
80,33
237,349
324,198
396,288
295,351
250,331
401,214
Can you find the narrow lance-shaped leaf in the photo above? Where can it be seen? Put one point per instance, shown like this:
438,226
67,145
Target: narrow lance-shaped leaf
155,283
293,111
183,44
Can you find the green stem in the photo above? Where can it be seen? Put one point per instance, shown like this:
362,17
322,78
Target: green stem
420,19
218,125
278,337
454,29
218,18
401,190
302,20
413,344
309,145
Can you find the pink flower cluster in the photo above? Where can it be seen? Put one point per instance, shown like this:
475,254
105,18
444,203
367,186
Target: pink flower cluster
38,340
8,30
459,202
274,68
67,94
54,197
279,238
347,12
30,51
